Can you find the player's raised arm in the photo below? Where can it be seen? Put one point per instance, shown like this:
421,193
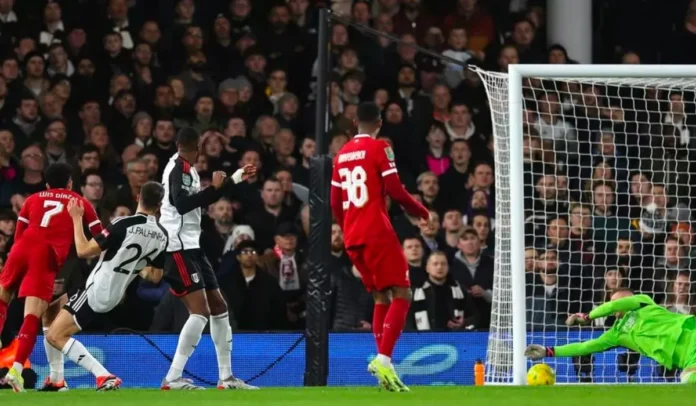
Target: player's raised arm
184,201
181,178
622,305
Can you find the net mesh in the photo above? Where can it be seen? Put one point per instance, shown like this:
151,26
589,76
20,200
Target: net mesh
607,201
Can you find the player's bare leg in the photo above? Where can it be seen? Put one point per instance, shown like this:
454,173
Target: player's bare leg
221,334
197,304
60,337
34,308
55,381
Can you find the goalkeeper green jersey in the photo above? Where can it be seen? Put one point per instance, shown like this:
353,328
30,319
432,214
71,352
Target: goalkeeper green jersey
668,338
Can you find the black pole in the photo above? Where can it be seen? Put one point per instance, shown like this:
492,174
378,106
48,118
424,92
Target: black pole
319,255
322,82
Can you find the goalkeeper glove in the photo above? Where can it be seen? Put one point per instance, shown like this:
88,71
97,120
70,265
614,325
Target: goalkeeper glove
580,319
535,352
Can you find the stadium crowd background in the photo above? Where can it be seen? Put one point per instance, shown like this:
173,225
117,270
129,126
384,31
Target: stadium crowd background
104,85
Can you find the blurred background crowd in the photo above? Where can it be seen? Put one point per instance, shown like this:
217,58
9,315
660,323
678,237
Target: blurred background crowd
104,85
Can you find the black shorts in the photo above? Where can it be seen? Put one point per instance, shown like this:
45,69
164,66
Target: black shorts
187,271
77,305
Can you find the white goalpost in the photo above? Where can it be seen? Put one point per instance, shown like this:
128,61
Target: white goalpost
593,180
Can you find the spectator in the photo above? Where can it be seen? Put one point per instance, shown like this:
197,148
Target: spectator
456,177
679,294
152,164
163,146
32,163
452,227
429,237
474,272
549,306
215,236
436,159
412,19
26,122
413,251
287,266
265,219
56,149
300,172
136,172
35,72
429,187
254,296
440,303
93,190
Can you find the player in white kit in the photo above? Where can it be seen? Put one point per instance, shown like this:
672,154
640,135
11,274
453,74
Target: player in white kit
131,246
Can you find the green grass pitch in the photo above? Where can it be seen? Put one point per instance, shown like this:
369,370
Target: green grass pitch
586,395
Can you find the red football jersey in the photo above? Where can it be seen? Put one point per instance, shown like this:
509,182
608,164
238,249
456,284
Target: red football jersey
44,217
362,172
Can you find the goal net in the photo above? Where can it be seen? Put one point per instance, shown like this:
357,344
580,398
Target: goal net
606,197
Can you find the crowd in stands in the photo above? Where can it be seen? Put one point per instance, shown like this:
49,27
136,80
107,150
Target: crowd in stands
105,84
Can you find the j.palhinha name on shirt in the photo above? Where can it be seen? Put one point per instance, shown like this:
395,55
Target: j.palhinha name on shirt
146,233
352,156
55,195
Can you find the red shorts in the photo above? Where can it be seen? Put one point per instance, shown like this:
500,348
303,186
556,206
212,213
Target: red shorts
30,270
381,265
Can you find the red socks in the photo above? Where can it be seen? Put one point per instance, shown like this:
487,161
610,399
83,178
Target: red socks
3,314
394,323
378,315
27,338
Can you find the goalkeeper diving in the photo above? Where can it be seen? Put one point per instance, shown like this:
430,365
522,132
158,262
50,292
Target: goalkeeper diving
642,326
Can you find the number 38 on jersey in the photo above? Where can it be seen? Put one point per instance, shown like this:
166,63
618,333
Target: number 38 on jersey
353,181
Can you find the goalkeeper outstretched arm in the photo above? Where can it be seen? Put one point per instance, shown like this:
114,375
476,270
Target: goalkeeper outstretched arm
602,343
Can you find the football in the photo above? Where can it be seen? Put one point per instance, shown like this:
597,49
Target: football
541,374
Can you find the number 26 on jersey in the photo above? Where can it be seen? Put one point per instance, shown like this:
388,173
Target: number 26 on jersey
353,182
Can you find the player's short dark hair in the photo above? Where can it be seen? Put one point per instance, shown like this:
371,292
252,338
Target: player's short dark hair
151,195
187,138
58,175
368,113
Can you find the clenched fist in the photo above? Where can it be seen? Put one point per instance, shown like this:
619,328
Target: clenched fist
218,179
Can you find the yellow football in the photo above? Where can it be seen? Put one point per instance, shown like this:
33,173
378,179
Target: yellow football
541,374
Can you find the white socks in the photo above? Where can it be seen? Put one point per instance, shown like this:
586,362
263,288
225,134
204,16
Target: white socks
221,333
188,340
384,360
55,360
79,355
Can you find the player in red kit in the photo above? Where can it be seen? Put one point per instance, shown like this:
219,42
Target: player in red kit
364,173
43,238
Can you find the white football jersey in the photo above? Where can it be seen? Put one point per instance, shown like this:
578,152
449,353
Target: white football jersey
128,245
